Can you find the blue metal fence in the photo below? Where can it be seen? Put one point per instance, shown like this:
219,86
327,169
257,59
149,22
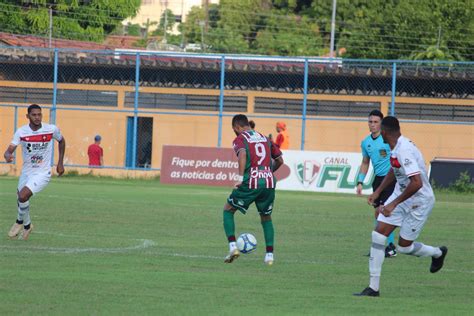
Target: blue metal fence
299,76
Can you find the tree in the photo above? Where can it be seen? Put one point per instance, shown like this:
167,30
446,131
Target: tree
167,22
392,29
72,19
435,53
289,35
134,29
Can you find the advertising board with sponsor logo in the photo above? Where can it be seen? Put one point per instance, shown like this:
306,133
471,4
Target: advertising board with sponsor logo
302,171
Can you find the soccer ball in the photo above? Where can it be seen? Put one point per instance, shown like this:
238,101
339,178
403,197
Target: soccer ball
246,243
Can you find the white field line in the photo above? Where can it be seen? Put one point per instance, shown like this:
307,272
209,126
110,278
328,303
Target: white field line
144,243
147,244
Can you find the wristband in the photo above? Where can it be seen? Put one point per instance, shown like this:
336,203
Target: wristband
240,178
361,177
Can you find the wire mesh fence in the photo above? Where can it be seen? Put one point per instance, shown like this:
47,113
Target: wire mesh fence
139,101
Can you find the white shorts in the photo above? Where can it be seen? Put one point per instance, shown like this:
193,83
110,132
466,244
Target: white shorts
410,216
36,182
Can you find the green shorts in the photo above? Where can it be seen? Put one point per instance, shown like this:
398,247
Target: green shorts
242,197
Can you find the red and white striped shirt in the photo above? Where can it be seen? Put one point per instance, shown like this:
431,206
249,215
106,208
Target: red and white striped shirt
406,161
260,152
37,147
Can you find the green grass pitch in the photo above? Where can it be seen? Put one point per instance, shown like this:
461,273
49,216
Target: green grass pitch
127,247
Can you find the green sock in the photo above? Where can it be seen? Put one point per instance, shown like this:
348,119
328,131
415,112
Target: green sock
229,225
269,233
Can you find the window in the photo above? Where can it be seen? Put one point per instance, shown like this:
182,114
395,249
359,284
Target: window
186,102
315,107
435,112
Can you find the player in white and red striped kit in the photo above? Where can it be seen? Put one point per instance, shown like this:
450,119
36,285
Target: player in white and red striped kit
36,139
408,207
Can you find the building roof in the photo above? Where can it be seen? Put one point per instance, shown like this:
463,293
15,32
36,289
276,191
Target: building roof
111,42
241,73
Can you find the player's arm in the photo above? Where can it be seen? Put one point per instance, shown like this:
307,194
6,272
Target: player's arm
276,155
8,155
363,169
242,159
277,163
415,184
388,180
62,150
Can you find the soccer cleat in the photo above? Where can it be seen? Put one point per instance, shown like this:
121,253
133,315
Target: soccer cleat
27,232
268,258
368,292
234,253
390,251
437,263
15,230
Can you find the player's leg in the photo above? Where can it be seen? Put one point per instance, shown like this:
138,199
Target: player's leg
409,232
240,199
390,249
264,203
269,234
385,226
34,184
24,210
229,228
18,225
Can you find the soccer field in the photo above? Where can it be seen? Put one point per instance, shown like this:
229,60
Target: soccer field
104,246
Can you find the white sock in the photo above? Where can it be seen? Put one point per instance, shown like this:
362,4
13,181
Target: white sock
24,212
377,256
232,245
420,250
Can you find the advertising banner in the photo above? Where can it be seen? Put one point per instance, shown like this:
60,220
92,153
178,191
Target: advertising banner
199,165
323,172
302,171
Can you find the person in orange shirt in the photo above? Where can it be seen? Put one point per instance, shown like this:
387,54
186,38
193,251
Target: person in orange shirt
283,139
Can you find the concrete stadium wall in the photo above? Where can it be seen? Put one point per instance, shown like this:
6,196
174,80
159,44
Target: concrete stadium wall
80,126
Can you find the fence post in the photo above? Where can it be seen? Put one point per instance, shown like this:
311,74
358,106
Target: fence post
394,90
52,117
221,102
15,124
305,100
135,111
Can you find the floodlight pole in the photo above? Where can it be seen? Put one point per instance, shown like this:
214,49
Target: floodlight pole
333,28
50,26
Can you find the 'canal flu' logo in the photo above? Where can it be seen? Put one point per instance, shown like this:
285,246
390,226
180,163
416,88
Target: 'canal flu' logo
307,172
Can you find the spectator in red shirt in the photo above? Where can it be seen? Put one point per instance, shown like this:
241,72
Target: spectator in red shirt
96,153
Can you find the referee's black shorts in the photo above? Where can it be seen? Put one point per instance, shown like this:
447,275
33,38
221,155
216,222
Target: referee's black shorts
385,193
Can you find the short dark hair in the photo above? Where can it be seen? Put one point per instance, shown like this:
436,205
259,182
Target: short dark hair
391,124
252,124
376,113
240,120
32,107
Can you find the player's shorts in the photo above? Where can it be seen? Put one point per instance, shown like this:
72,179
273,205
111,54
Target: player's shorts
36,182
410,216
385,194
242,197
